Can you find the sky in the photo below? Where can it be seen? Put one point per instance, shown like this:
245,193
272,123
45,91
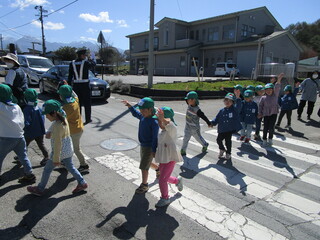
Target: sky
82,20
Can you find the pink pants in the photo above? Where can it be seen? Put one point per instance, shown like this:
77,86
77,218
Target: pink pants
165,178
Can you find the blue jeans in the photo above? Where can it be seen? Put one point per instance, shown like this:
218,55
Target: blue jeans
246,129
18,145
50,166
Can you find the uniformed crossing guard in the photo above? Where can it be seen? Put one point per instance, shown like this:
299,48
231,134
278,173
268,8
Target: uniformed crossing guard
79,79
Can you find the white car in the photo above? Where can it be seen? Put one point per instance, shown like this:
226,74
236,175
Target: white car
34,67
225,68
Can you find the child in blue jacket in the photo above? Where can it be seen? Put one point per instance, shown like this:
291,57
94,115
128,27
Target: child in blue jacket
228,122
248,115
148,137
288,102
34,123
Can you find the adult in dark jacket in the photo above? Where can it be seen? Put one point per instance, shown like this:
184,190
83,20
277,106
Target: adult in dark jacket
79,79
309,88
16,78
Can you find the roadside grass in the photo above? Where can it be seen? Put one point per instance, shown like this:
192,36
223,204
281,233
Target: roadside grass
205,86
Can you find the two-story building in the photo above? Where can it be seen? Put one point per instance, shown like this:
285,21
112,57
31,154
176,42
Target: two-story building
245,38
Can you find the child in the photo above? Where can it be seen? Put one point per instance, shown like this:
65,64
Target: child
148,137
72,108
268,109
288,103
228,121
34,123
259,93
192,127
248,115
238,90
167,154
251,87
11,133
62,150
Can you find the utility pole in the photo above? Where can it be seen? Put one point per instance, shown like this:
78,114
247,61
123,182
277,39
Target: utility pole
151,54
33,43
41,16
1,41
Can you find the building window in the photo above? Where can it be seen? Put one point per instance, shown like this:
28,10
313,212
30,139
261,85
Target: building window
166,37
252,29
131,45
156,43
244,30
206,62
228,32
203,34
197,35
191,34
182,61
146,44
212,61
213,34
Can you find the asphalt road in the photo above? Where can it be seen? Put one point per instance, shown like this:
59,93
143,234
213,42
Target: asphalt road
264,194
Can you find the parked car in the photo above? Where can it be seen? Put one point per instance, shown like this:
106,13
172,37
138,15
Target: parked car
225,68
54,77
34,67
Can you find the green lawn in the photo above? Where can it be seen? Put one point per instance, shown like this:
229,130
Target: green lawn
205,86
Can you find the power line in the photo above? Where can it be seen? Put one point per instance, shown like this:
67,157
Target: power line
18,8
179,8
63,7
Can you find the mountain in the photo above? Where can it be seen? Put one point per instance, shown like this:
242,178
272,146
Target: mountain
26,42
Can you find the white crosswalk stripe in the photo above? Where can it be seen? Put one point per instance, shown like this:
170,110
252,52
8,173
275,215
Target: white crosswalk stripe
210,214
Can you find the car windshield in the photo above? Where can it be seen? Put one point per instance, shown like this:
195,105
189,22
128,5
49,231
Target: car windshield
40,63
220,65
231,65
64,72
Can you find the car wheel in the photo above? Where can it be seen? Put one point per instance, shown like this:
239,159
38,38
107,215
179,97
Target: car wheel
41,88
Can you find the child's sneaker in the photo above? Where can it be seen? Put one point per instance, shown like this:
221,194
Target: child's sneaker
247,140
83,168
228,156
35,191
265,143
241,138
221,153
270,142
204,149
80,187
162,202
180,184
143,188
30,178
183,152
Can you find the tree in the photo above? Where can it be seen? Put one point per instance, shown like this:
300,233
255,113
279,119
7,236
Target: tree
66,53
107,54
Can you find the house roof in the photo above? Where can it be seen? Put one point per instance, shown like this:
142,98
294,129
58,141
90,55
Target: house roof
220,17
314,61
141,33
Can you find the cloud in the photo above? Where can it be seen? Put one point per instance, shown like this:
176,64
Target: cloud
91,30
50,25
122,23
88,39
61,11
103,17
106,30
26,3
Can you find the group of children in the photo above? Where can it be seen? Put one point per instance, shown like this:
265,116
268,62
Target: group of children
243,109
19,128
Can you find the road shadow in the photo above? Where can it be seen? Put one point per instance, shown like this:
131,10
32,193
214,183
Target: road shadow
38,208
190,167
313,123
290,131
248,149
158,224
110,123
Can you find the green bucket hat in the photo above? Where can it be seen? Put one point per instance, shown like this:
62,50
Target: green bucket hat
168,113
51,106
248,94
230,96
65,91
238,87
193,95
288,88
250,87
259,88
31,95
6,95
269,85
145,103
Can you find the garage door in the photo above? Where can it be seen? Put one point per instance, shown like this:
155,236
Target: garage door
246,61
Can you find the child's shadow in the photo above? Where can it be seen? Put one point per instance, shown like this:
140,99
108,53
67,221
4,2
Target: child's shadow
190,167
248,149
138,215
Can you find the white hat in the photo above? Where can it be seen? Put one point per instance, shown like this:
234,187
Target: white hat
12,57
